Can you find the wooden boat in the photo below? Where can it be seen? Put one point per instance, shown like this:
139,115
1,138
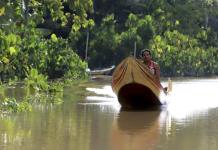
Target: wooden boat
135,86
104,71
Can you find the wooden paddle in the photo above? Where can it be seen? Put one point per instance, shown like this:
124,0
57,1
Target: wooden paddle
169,87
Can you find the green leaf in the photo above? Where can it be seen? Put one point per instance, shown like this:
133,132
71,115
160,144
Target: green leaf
11,39
5,60
54,38
12,50
2,11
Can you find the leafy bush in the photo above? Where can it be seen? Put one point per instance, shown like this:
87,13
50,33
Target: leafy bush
52,57
36,81
181,55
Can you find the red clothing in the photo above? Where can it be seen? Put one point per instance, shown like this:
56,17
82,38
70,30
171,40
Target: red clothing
152,68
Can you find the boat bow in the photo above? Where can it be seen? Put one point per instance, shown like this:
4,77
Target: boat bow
134,85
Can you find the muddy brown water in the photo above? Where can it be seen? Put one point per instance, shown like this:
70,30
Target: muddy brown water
91,119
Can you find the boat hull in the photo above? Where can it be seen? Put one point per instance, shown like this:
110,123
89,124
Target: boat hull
135,86
105,71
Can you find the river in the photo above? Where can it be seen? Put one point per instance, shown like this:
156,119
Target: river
91,119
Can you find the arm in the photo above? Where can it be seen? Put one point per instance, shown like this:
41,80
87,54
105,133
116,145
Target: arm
157,72
157,75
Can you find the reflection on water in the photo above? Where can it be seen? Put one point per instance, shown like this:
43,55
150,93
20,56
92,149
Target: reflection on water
189,97
102,96
139,129
91,119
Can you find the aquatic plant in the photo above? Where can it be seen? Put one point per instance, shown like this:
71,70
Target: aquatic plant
11,105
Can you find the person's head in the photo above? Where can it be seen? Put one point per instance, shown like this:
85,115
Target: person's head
146,54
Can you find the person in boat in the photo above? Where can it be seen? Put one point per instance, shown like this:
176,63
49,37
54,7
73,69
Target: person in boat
152,66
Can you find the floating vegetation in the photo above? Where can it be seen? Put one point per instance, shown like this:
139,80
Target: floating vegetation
11,105
36,90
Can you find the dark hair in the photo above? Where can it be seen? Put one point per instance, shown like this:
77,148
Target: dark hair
145,50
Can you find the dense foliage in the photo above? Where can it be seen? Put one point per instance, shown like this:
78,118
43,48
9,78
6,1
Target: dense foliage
181,33
24,45
53,36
